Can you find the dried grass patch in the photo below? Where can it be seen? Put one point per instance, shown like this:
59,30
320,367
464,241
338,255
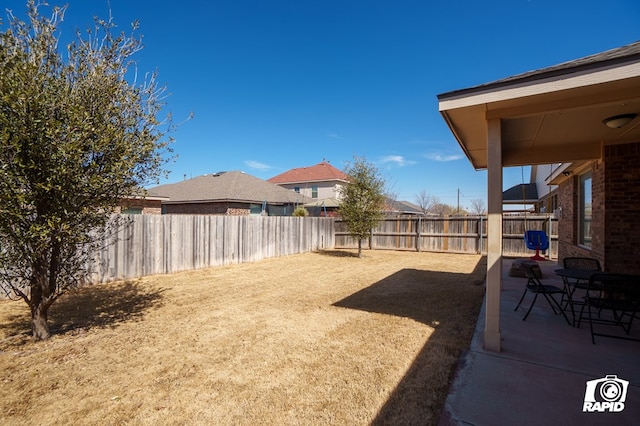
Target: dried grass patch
318,338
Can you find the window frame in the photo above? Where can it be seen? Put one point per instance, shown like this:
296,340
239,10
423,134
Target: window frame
585,210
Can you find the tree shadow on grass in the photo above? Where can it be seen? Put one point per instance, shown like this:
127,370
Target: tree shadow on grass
338,253
95,306
447,302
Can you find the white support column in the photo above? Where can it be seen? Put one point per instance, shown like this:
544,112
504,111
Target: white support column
494,236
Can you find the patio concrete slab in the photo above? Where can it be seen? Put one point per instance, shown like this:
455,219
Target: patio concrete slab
539,377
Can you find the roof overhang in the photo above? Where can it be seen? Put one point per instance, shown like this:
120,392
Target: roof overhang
148,197
308,181
549,116
227,200
327,202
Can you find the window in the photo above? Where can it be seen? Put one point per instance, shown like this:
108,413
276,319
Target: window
132,210
296,189
255,208
584,210
314,192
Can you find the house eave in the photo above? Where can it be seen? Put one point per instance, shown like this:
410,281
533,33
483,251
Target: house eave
228,200
299,182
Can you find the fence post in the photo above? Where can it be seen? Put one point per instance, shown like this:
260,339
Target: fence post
481,232
418,234
445,242
371,239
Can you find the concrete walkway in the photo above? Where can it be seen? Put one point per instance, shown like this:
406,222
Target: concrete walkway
540,376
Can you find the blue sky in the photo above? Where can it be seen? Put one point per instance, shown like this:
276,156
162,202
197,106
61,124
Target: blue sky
276,84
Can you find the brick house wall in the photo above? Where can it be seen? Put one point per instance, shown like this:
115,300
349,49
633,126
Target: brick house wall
231,209
568,201
147,206
622,199
615,211
325,189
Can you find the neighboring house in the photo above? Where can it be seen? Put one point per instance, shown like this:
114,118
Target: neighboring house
583,114
328,207
401,208
149,203
228,193
538,193
320,182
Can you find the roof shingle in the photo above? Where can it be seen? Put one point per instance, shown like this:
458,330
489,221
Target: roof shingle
618,55
320,172
228,186
523,193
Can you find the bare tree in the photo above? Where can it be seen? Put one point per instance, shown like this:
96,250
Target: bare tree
426,201
478,206
442,209
391,199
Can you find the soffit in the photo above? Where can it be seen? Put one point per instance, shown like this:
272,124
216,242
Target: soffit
558,120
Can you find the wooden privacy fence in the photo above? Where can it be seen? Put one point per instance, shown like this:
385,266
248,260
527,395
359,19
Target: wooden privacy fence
465,234
150,244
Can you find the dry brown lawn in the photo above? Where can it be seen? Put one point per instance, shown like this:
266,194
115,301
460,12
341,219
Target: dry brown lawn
317,338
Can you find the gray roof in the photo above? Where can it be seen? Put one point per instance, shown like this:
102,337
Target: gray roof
402,206
630,52
232,186
521,194
151,194
408,207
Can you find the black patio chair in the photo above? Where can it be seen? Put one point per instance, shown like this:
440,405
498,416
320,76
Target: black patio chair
619,294
584,264
546,290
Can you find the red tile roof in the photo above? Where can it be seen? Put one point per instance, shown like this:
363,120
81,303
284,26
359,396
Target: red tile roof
320,172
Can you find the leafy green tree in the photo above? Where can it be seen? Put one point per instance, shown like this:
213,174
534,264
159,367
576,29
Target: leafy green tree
76,137
362,199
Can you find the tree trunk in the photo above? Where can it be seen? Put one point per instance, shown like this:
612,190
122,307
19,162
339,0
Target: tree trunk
41,299
360,248
39,325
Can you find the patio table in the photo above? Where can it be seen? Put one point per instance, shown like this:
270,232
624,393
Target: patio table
578,274
572,278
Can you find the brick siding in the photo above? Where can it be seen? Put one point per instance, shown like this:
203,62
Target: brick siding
622,200
615,214
147,206
231,209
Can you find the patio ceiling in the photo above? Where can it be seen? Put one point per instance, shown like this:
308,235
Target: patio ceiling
550,115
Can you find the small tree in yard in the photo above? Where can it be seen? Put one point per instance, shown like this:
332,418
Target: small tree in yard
75,138
362,199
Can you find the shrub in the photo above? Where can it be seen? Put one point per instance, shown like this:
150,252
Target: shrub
300,212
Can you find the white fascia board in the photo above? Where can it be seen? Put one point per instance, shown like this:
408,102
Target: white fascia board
542,86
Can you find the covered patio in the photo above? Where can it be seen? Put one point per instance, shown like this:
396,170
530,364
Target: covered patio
540,376
582,117
561,114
